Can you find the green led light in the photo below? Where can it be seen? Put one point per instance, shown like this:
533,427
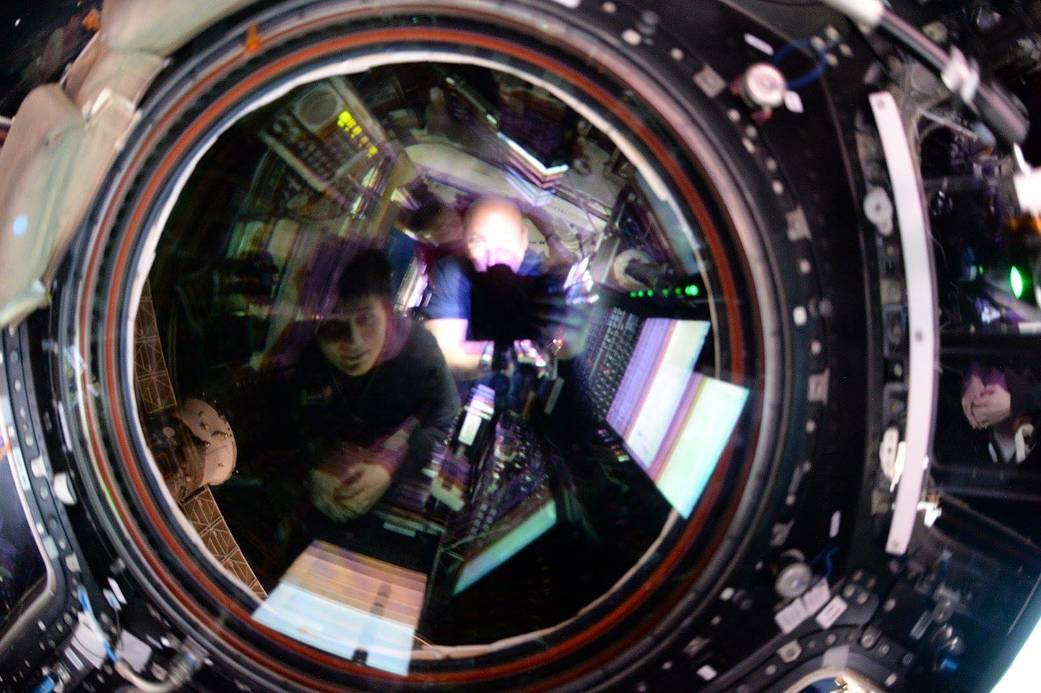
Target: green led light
650,292
1015,280
691,290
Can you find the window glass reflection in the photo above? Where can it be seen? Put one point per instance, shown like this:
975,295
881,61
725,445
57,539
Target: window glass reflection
441,363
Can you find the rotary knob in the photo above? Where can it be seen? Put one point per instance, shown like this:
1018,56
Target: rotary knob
763,86
793,575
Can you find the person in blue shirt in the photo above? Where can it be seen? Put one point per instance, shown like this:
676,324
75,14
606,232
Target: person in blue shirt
494,235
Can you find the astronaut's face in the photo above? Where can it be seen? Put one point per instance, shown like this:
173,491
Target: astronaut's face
353,337
495,235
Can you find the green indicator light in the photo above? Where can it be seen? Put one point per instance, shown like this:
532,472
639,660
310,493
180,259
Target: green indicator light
632,294
1015,280
691,290
639,294
651,292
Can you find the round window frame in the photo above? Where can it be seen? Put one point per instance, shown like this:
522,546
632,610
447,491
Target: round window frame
114,377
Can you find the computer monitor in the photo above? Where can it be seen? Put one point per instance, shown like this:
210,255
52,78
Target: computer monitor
355,606
511,535
674,421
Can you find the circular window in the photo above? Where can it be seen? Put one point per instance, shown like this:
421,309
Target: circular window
446,352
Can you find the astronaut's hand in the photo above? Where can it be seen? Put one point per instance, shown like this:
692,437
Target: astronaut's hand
323,495
973,389
367,484
992,406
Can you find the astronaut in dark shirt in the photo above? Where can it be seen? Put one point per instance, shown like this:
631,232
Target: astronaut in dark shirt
347,401
371,394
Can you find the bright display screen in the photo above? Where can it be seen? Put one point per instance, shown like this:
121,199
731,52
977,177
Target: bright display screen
515,539
351,605
675,422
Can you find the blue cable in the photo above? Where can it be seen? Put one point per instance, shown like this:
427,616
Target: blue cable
81,593
826,554
808,77
783,52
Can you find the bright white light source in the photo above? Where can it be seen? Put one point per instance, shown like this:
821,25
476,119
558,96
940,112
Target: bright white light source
1025,669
